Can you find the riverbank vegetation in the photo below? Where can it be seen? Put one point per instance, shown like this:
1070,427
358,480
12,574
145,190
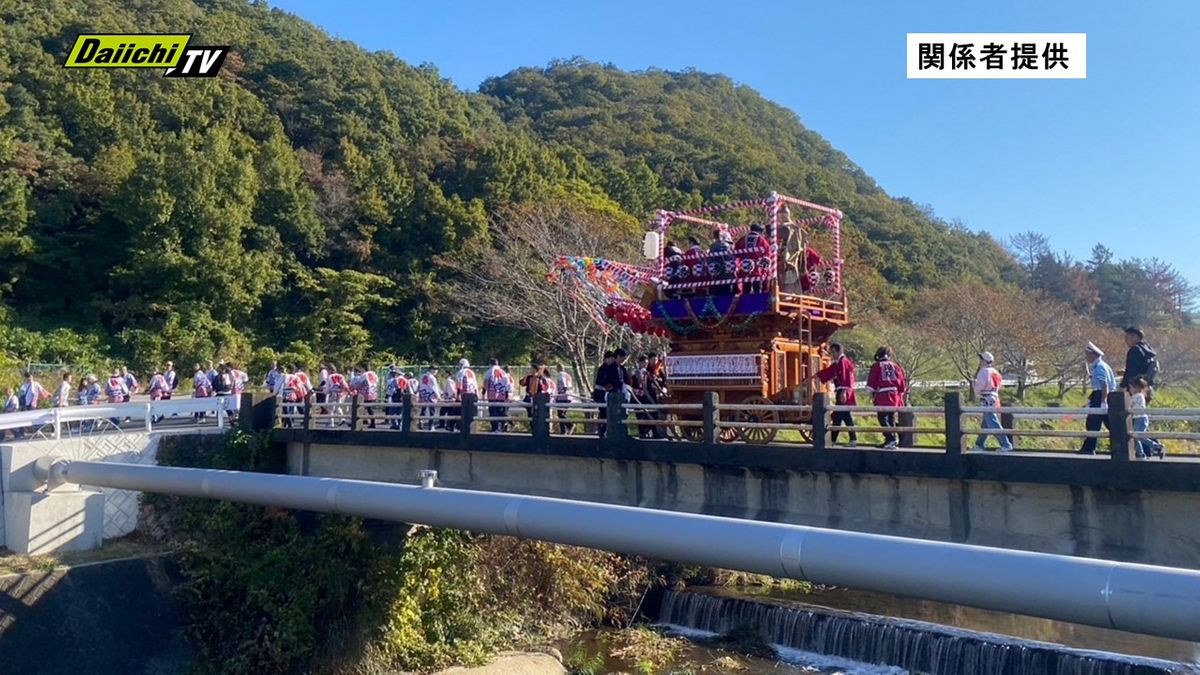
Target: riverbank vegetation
272,590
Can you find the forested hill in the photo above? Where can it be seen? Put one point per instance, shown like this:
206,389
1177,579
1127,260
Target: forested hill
683,139
297,202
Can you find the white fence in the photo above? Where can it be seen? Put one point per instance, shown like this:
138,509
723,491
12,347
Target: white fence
55,422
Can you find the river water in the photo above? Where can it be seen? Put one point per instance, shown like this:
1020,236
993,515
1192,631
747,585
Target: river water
840,631
969,618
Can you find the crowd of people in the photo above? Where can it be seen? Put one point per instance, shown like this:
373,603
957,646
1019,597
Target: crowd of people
727,266
643,382
888,386
434,392
220,379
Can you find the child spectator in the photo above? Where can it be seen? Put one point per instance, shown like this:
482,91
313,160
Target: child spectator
1140,389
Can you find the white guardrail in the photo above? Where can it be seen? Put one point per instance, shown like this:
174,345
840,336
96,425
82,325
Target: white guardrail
149,413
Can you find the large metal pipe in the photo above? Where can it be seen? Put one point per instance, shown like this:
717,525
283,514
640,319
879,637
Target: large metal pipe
1160,601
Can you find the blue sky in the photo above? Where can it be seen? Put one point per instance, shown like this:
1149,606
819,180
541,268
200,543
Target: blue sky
1113,159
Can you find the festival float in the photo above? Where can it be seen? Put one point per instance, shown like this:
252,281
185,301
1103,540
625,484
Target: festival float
748,293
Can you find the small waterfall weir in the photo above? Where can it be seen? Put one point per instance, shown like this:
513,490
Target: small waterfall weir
912,646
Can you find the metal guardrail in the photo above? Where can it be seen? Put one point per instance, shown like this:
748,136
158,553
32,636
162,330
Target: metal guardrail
753,424
53,422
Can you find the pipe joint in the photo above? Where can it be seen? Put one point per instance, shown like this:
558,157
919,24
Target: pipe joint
51,470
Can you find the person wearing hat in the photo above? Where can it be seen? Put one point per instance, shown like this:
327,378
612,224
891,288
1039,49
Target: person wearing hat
466,381
987,387
888,385
89,394
1103,382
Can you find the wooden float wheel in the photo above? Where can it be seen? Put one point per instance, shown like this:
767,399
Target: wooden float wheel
757,435
685,433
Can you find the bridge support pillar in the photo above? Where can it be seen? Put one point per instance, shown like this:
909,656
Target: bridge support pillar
39,520
820,421
406,413
541,418
258,412
711,401
470,408
1118,428
908,439
615,431
954,434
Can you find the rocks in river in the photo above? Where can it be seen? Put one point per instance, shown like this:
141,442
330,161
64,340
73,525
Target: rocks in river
548,662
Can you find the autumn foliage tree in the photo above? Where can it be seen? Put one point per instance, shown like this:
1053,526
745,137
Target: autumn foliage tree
503,280
1034,339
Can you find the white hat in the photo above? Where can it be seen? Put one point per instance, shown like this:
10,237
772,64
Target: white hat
986,357
463,363
1091,347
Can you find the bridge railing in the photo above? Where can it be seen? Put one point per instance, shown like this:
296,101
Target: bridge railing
949,429
60,421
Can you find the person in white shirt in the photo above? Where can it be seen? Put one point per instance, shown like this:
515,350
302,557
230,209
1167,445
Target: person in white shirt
428,394
63,398
465,379
323,388
1140,389
449,395
987,387
131,384
564,387
31,393
272,381
172,381
466,382
12,404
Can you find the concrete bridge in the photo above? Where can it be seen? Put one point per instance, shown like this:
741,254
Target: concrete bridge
1104,506
889,521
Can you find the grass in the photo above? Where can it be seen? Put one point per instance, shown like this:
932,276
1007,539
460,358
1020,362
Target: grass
129,547
648,649
641,649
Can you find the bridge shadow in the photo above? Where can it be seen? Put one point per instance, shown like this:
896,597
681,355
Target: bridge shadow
114,617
